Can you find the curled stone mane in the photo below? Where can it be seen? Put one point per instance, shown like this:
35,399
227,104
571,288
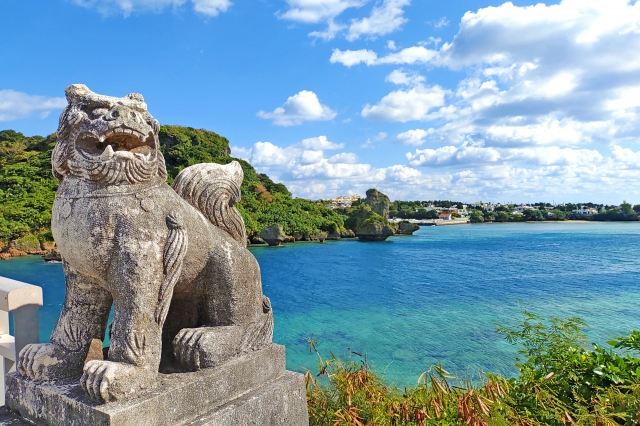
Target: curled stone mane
214,189
107,140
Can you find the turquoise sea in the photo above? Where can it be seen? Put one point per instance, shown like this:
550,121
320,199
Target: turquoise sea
434,297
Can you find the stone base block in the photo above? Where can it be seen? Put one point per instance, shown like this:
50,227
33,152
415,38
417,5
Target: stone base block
253,389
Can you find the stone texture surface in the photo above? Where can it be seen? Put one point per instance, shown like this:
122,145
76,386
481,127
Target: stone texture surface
52,255
378,202
333,235
373,229
252,389
273,235
406,228
347,233
172,260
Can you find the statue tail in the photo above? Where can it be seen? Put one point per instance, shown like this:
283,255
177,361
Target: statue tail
214,189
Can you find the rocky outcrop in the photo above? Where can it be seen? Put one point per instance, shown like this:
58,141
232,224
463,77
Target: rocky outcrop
347,233
333,235
378,202
254,239
52,255
273,235
368,225
29,244
25,246
406,228
374,229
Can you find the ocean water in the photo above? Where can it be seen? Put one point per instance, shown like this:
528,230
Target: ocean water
431,298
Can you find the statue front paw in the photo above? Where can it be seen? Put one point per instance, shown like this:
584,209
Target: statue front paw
48,361
205,347
106,381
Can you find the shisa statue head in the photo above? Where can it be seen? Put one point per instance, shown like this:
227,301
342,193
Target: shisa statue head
107,139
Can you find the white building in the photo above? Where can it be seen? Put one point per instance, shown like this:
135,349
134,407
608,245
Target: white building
585,211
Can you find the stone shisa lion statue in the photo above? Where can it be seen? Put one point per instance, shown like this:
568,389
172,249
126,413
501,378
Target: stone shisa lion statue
172,260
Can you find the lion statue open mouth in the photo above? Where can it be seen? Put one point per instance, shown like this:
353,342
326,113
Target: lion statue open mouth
171,260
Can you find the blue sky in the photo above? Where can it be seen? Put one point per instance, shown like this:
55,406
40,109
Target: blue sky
466,100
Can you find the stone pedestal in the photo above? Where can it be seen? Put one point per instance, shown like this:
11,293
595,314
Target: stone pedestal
253,389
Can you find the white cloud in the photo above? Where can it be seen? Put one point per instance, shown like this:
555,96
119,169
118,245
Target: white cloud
268,154
384,19
410,55
16,105
319,143
350,58
401,77
381,136
522,157
241,152
311,156
127,7
565,74
315,11
344,157
406,105
301,107
451,155
211,7
308,173
391,45
442,22
414,137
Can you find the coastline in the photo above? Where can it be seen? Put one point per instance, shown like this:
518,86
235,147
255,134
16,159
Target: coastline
8,255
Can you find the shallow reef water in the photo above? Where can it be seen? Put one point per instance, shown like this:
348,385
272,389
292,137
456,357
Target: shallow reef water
432,298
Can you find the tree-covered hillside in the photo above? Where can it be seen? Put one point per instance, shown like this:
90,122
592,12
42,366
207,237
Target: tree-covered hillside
27,188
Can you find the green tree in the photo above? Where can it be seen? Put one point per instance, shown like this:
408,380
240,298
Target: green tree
476,216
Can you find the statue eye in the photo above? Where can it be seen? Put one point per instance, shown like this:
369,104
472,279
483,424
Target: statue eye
98,112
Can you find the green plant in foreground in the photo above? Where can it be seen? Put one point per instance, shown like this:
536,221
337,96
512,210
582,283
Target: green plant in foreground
560,383
357,396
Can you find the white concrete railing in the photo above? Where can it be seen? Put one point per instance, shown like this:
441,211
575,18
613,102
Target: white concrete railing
23,301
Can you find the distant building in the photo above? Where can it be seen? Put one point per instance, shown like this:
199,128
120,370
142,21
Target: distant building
342,201
445,216
585,211
522,208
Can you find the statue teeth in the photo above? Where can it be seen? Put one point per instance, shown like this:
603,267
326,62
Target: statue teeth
107,154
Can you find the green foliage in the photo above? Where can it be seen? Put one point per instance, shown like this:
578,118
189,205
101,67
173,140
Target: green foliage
356,395
27,187
560,383
476,216
621,214
535,215
363,217
186,146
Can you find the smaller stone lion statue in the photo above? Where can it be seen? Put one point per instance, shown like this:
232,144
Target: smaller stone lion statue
171,260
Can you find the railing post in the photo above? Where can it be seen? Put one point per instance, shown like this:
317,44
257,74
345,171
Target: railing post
23,301
25,326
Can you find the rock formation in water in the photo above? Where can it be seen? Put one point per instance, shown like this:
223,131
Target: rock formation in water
406,228
368,225
378,202
273,235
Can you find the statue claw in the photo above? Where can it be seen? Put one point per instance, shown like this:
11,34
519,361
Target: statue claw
106,381
48,361
205,347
